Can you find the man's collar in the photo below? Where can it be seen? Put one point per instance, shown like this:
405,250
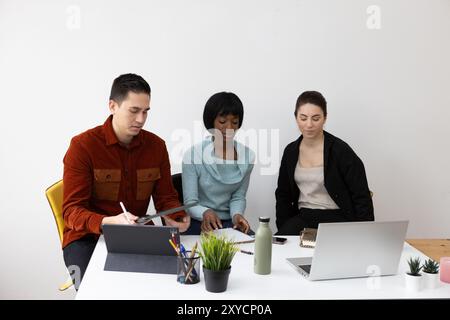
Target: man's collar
111,138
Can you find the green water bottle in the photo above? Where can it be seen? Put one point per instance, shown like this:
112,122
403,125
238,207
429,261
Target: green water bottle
263,247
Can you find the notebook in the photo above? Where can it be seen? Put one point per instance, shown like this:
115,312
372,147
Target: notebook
308,238
235,235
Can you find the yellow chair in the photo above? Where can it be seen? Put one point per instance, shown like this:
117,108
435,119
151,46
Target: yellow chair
54,195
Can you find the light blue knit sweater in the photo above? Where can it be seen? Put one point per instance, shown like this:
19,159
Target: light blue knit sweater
217,184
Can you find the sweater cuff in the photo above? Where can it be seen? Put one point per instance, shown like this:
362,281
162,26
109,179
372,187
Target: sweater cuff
236,208
95,223
196,212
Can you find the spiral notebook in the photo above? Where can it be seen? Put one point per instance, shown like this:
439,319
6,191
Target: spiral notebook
308,238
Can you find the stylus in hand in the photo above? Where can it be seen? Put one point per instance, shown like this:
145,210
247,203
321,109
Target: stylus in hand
125,212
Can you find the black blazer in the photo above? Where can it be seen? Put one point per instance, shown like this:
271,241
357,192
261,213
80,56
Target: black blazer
345,181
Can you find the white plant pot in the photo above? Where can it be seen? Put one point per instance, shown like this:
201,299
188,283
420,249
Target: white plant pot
431,280
413,283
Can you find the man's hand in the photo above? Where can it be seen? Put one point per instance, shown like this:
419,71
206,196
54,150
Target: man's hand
210,221
182,225
240,223
120,219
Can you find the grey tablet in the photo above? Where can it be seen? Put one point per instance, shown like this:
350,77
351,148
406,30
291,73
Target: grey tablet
147,218
140,248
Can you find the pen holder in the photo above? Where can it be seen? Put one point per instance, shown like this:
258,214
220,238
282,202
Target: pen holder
188,268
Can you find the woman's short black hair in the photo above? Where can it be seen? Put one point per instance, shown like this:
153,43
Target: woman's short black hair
126,83
222,104
313,97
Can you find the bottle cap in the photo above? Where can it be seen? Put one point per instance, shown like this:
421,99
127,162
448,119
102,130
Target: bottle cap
264,219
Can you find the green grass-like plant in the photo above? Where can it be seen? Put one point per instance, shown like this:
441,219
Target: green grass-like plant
430,266
216,252
414,266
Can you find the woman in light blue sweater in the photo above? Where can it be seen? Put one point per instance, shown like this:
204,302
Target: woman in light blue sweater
216,172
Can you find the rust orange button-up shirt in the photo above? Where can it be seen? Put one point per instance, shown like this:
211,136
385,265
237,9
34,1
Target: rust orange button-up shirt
99,173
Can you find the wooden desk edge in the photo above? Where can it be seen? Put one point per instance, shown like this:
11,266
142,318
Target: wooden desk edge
433,248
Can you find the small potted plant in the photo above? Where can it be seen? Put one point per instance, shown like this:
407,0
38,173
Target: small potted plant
216,253
431,273
413,277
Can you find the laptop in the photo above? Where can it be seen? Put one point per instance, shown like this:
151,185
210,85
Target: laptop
140,248
354,249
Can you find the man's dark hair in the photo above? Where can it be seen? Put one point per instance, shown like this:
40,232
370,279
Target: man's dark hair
313,97
126,83
222,104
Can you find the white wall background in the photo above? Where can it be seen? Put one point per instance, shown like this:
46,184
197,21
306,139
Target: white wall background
387,89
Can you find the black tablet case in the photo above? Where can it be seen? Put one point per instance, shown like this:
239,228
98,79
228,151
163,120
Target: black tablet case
140,248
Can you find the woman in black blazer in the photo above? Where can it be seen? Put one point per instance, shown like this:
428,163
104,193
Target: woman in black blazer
321,178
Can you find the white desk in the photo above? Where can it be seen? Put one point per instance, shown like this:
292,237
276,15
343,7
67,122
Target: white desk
283,283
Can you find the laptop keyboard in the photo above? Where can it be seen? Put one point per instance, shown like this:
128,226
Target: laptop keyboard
306,268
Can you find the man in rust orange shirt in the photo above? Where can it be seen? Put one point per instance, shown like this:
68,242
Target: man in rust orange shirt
117,161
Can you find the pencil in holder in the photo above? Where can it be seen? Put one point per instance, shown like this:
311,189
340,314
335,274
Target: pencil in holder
188,269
